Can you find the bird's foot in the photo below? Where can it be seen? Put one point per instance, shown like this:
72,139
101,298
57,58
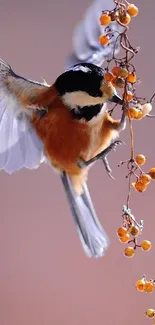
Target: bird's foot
103,156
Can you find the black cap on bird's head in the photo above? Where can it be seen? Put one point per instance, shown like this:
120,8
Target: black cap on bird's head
83,85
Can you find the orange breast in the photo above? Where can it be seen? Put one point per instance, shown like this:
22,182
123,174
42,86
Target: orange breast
64,137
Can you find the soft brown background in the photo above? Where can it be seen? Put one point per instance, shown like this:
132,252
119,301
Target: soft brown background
45,278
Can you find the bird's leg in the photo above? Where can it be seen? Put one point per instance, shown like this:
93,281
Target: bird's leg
102,155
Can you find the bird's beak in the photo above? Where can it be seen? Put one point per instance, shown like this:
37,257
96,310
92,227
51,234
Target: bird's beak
116,99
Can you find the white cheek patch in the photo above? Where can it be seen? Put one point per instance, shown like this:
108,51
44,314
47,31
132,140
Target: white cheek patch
81,98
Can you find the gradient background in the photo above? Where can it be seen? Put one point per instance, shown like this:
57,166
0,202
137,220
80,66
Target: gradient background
45,278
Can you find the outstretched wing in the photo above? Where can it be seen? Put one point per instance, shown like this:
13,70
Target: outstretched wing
86,47
19,144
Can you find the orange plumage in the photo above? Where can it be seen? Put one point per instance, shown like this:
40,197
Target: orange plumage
67,123
68,140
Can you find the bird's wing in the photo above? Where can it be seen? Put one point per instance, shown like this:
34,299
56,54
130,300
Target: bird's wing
19,144
86,47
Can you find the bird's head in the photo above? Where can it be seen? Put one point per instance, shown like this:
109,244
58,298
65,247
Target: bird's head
83,85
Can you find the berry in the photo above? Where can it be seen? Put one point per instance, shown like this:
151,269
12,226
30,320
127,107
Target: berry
140,160
108,76
116,71
105,19
124,18
132,10
150,313
140,187
133,230
131,77
129,252
103,39
132,112
140,285
129,96
119,82
139,115
145,178
121,232
146,108
152,173
124,239
123,72
149,286
146,245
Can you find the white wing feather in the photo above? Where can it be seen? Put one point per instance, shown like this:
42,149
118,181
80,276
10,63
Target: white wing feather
20,146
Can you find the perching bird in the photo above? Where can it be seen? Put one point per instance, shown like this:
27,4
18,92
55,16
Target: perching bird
66,124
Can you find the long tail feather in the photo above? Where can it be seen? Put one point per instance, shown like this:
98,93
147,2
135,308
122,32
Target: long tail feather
93,237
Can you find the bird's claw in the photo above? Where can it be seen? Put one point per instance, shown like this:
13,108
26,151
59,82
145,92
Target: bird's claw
112,146
107,167
102,155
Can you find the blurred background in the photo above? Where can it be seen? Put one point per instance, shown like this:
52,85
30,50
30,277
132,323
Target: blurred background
45,277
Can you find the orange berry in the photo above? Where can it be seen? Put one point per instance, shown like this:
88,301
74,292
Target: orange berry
113,81
132,10
123,72
132,112
140,160
131,77
129,252
133,230
140,285
139,115
129,96
108,76
145,178
121,232
146,245
150,313
103,39
149,286
116,71
140,187
124,18
152,173
105,19
124,239
119,82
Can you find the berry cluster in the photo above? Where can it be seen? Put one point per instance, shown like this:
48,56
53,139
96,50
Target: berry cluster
129,233
143,180
122,14
121,73
144,285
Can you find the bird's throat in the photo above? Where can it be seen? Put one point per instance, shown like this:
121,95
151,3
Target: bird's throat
86,113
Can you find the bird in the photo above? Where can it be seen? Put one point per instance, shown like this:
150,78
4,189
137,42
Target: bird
66,125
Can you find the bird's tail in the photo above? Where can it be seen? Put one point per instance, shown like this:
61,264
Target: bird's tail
92,235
